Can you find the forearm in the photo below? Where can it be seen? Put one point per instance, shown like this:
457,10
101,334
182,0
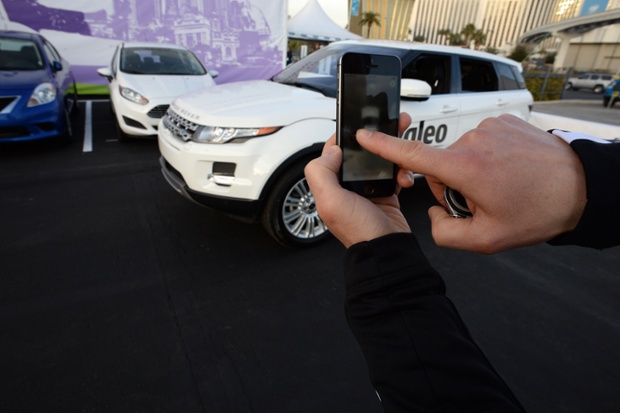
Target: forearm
599,226
419,353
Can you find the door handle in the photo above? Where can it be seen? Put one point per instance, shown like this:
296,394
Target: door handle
448,109
501,102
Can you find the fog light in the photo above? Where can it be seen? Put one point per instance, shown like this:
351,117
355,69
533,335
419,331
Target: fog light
223,173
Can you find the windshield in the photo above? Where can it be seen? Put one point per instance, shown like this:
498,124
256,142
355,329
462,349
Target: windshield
160,61
17,54
317,71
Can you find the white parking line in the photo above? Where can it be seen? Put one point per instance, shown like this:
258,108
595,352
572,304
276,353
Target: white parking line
88,128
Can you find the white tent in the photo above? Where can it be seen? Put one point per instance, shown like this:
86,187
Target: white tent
312,23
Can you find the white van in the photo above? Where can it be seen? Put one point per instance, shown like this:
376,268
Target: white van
241,147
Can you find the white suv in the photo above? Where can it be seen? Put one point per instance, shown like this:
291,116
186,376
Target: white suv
592,81
241,147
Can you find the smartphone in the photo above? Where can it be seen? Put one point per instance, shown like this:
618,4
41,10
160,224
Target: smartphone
368,98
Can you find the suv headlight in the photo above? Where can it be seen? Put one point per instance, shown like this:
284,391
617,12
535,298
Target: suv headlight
44,93
217,134
132,95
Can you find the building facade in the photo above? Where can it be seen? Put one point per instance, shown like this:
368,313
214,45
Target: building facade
503,21
394,18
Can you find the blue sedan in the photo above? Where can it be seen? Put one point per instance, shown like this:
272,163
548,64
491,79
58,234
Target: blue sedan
37,89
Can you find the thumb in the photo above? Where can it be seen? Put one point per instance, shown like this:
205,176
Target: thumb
324,169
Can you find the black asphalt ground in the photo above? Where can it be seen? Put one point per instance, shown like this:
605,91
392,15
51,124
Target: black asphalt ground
118,295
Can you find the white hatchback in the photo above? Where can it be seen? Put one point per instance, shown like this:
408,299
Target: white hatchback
144,78
242,147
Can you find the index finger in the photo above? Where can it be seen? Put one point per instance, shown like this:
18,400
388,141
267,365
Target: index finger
415,156
404,121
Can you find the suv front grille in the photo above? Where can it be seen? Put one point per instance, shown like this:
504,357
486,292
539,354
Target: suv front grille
180,127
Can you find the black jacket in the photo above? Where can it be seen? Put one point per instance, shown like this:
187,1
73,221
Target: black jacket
420,355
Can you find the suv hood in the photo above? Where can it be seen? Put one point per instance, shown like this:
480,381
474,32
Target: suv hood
254,103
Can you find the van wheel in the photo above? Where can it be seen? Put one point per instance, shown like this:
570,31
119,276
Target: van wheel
290,214
598,89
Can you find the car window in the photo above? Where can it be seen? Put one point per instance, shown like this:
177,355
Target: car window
317,71
52,55
519,77
595,77
434,69
507,77
477,75
18,54
160,61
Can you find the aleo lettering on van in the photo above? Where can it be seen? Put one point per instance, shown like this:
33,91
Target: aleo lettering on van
429,134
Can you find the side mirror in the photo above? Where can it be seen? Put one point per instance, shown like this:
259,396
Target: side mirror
414,89
56,66
105,72
214,73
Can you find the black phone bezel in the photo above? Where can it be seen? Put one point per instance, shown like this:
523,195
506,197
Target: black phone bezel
367,64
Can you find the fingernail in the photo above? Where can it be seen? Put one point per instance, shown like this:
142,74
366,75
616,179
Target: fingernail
363,133
410,177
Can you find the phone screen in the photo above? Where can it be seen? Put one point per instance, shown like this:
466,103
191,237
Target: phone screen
369,98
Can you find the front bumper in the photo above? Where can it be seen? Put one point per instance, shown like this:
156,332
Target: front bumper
137,120
243,209
27,124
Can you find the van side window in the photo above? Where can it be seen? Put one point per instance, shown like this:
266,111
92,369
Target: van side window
519,77
507,77
434,69
478,75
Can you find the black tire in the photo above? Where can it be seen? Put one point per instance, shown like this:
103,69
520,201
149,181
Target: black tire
605,102
72,102
67,136
290,213
568,86
120,135
598,89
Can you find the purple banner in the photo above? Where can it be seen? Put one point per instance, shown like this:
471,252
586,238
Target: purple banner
241,39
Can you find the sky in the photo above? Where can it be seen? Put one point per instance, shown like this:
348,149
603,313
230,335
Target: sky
336,9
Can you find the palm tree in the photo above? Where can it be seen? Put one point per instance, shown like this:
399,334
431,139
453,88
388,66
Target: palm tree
468,31
446,33
369,18
479,38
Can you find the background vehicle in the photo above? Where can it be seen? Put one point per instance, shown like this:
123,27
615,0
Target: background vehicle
593,81
611,91
37,89
144,78
241,147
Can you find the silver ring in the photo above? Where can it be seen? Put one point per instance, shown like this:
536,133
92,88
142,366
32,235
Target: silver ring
456,204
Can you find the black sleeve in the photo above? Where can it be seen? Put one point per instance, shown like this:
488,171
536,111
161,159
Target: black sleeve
599,226
419,352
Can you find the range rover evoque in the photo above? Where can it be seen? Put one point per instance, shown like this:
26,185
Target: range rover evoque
241,148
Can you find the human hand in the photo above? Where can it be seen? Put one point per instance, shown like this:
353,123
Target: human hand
351,217
522,184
